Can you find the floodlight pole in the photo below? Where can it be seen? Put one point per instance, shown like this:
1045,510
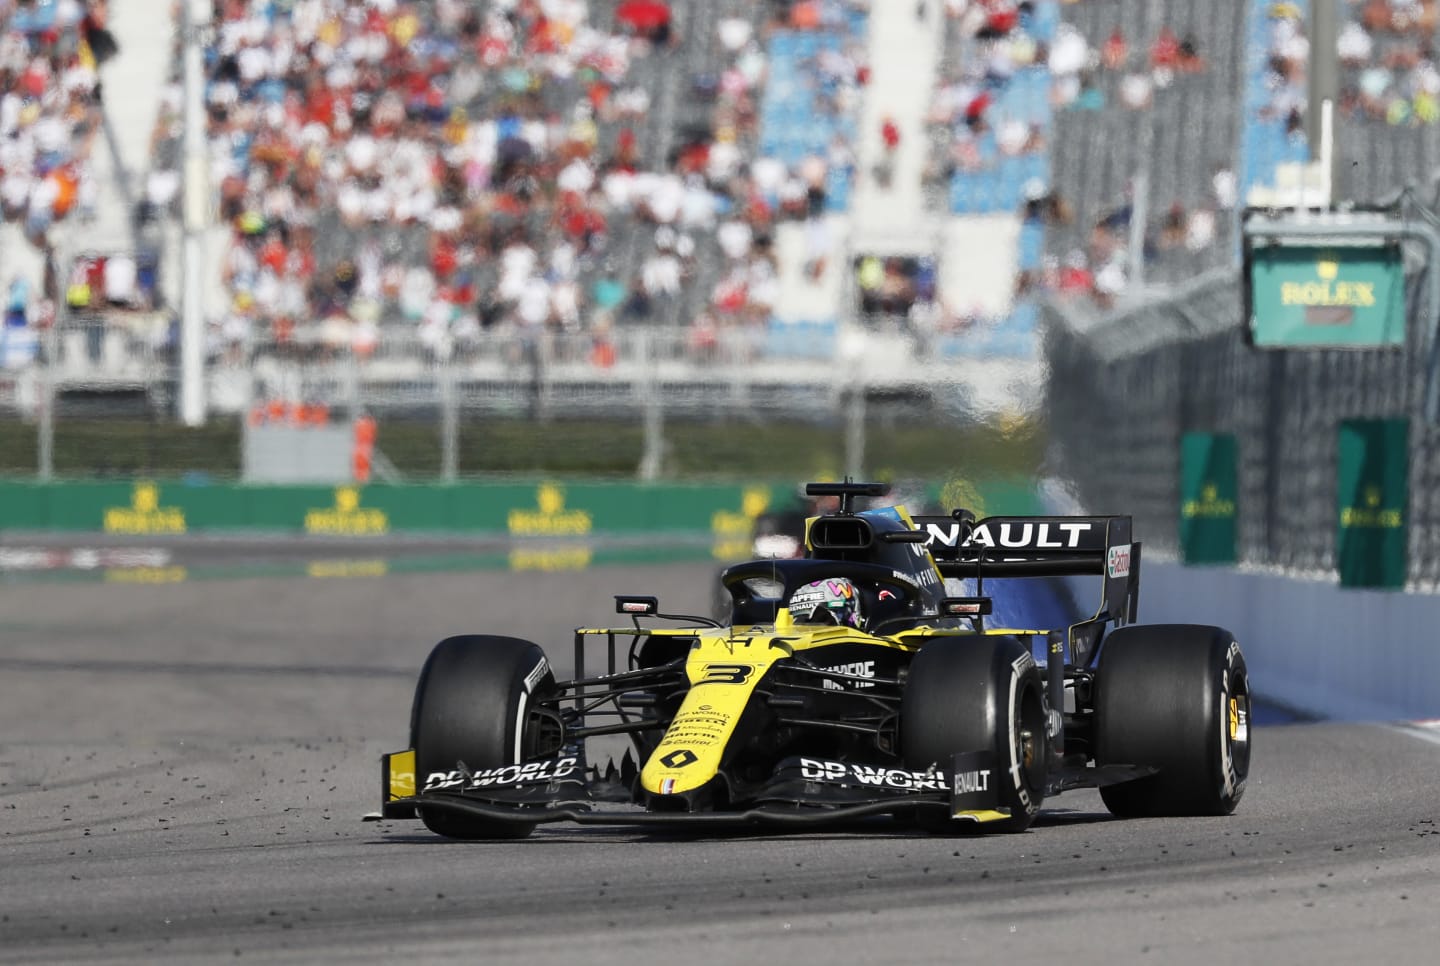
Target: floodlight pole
1140,202
652,456
449,423
45,431
1368,227
1324,84
855,431
48,371
194,14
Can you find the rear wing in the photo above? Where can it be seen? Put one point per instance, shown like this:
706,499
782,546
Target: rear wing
1041,547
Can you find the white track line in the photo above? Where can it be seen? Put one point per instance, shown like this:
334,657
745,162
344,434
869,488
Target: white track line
1424,730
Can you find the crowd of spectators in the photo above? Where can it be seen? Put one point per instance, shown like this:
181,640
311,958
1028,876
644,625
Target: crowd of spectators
49,91
1122,69
438,163
901,293
1388,53
1287,59
460,168
1135,68
990,42
49,118
1101,267
761,181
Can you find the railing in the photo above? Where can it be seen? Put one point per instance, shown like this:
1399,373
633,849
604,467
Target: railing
1124,388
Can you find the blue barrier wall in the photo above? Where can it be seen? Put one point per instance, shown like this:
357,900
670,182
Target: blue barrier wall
1311,645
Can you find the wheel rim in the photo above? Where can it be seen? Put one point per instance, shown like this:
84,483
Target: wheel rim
1235,732
1030,744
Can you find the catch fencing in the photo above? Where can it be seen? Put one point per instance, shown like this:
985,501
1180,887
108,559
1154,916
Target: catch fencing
97,398
1124,389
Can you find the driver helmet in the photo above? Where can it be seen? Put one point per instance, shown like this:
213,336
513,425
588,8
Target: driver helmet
831,601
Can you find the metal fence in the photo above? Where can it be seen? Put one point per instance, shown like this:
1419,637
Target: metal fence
98,398
1124,388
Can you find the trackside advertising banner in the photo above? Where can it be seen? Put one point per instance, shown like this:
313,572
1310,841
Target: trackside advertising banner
1373,499
542,508
573,509
1340,296
1208,498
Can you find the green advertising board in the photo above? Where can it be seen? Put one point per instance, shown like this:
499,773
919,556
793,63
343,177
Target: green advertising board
526,508
1207,498
541,508
1373,497
1311,295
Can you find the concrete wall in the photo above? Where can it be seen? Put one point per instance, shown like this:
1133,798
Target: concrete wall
1309,644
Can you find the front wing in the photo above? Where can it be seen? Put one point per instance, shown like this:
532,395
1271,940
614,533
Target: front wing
801,791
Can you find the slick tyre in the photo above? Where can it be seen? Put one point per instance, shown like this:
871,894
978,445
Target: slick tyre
985,694
1176,698
470,706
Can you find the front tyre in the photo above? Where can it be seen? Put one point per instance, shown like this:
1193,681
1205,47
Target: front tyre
471,706
974,695
1176,698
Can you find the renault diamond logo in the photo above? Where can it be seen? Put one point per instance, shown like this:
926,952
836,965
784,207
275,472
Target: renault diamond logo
679,758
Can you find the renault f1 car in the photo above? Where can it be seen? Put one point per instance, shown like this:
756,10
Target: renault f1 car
845,684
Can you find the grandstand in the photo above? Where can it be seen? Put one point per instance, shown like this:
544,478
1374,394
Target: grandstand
1388,135
1133,110
656,186
49,123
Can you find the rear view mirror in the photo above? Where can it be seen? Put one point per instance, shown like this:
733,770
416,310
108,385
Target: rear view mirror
965,606
625,604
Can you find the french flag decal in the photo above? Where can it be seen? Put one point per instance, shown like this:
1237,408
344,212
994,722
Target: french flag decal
667,786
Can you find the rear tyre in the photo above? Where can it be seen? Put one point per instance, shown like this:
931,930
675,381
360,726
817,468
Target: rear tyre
1174,697
470,706
984,694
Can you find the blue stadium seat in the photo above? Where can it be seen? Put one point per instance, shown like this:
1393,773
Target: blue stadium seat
1027,96
1032,245
782,46
837,190
34,19
804,339
1264,143
818,134
960,203
1024,318
1042,21
956,346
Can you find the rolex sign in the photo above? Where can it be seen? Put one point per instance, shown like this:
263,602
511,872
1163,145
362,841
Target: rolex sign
1311,296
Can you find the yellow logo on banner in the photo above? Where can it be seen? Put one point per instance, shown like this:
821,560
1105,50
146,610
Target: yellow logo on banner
1371,516
550,558
146,575
960,492
732,531
347,517
1209,506
1327,291
144,515
346,568
550,518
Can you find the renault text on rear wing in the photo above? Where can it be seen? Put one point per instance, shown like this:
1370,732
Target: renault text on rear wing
1041,547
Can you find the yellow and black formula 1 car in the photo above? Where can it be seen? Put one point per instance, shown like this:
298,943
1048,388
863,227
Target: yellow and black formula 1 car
846,684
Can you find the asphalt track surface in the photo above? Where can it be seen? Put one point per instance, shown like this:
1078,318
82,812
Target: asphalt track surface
183,769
